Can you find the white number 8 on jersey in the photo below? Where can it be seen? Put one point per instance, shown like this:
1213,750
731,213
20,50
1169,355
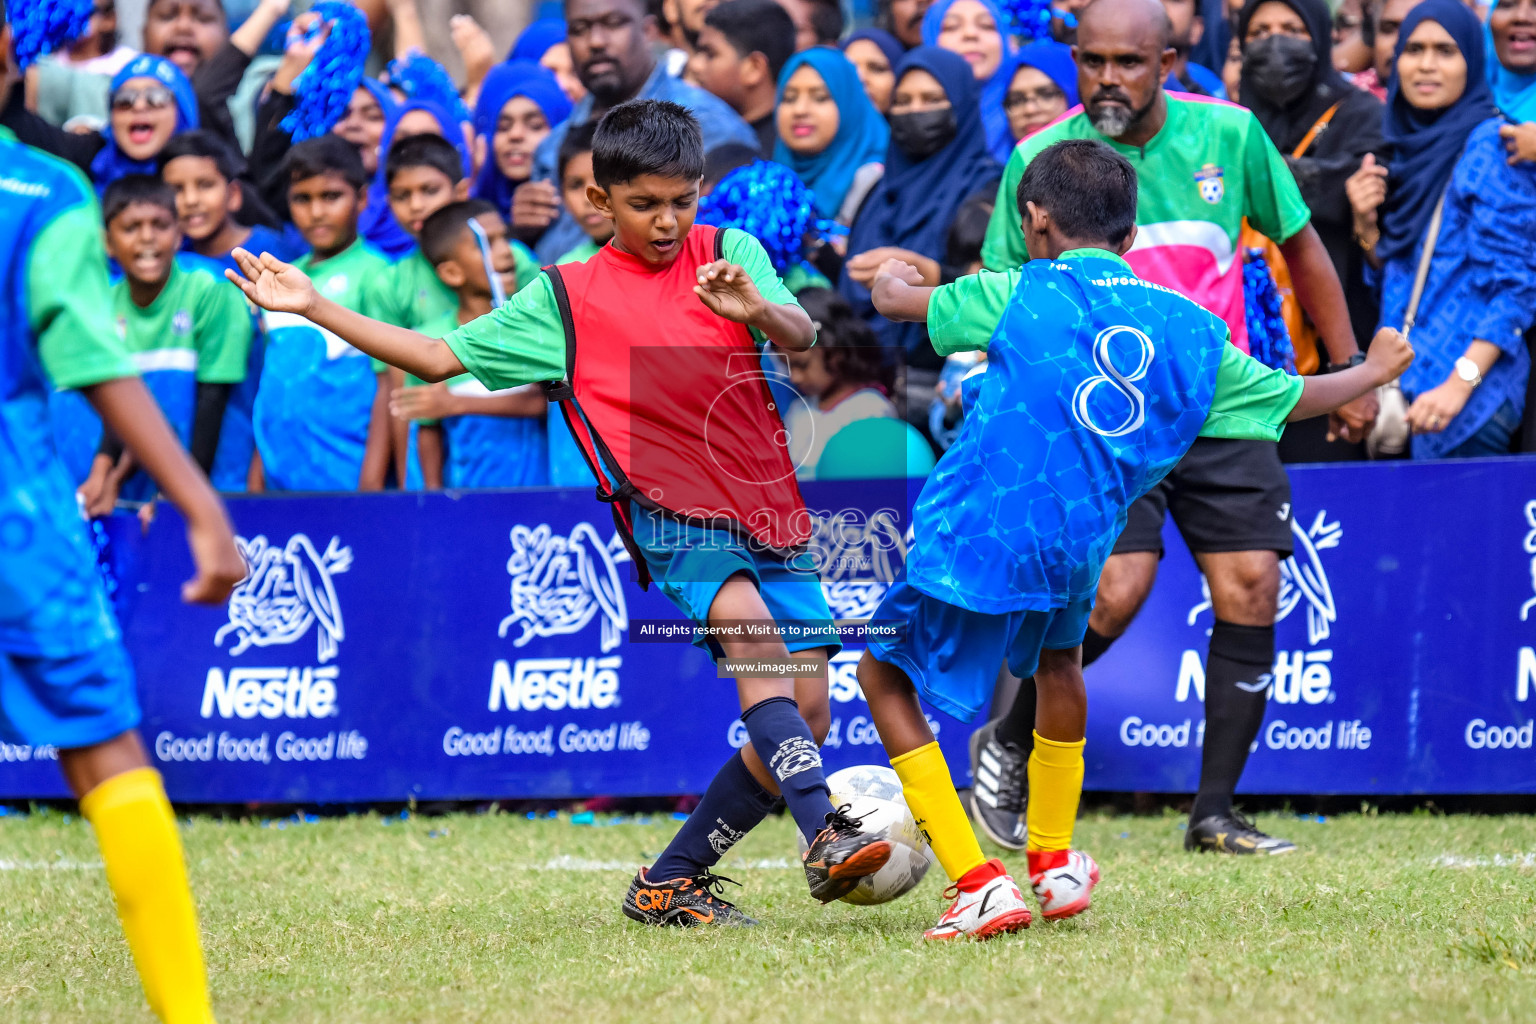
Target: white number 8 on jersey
1121,382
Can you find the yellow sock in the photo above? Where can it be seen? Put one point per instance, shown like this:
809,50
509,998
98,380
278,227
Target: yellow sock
930,793
137,834
1055,787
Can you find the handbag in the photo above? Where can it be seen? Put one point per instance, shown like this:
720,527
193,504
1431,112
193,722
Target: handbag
1389,435
1303,335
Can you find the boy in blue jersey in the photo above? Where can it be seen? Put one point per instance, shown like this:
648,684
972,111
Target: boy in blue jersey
209,196
316,398
65,679
1097,383
189,341
468,435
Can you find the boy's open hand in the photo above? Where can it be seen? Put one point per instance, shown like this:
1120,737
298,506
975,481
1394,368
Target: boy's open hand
1390,354
272,284
729,291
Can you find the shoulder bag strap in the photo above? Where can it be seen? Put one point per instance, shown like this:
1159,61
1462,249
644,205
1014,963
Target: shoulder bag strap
1313,132
1422,275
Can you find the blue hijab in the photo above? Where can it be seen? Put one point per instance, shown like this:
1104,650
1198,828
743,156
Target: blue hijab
915,203
889,44
861,136
993,116
112,163
1053,60
1513,91
1426,144
537,38
378,224
514,78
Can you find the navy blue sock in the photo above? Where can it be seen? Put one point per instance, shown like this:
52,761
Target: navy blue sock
784,742
731,807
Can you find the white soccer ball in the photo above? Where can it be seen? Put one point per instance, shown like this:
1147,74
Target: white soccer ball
875,794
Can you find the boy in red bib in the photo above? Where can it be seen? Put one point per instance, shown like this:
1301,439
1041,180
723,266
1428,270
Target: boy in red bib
651,347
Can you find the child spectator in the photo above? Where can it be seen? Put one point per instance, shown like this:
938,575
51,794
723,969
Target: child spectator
188,337
203,171
492,439
415,117
844,378
518,105
741,50
316,393
575,181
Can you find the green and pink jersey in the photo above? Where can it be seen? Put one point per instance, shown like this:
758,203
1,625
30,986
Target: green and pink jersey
1209,167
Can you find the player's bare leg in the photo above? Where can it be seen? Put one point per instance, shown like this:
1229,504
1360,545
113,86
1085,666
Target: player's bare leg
1063,878
987,902
121,796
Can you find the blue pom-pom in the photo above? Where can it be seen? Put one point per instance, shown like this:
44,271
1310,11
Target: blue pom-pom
1269,340
1031,19
43,26
326,86
422,78
768,202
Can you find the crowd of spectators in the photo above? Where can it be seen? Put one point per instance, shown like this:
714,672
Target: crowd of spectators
1409,129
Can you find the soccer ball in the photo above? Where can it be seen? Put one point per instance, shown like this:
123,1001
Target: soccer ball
875,793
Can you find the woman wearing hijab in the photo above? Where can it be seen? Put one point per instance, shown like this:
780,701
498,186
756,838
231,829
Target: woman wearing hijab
1512,72
1467,386
518,105
938,160
414,117
974,30
543,43
1040,85
830,134
1322,125
874,53
150,100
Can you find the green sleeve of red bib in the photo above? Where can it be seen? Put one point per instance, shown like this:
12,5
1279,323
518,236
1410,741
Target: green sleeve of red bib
521,342
1252,401
747,252
76,339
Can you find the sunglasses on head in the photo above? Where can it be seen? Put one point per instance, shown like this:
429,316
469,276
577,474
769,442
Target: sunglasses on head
156,97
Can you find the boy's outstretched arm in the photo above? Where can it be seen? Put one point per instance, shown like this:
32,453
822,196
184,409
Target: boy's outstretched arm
729,291
272,284
898,292
1389,355
128,410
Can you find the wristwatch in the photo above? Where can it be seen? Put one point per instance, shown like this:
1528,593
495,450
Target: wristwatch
1467,370
1354,360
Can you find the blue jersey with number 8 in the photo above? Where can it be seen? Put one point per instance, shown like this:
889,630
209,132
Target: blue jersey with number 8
1096,385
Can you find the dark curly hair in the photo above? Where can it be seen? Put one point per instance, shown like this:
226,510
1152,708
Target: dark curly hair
848,344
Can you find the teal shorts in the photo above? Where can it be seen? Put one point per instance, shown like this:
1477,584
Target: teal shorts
690,563
75,701
951,653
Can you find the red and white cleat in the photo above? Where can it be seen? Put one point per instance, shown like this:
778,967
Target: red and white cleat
1063,881
987,903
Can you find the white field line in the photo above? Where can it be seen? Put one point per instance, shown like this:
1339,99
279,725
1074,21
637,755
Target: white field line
1498,860
585,864
50,865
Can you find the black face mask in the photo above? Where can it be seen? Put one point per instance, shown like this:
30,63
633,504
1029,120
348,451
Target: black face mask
925,132
1280,67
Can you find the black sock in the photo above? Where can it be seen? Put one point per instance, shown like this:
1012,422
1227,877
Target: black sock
731,807
784,742
1094,646
1236,686
1017,726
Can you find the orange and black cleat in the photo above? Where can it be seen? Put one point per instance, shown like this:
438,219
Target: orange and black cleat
842,854
685,902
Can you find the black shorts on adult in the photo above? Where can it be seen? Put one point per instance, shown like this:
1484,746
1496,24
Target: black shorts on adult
1224,495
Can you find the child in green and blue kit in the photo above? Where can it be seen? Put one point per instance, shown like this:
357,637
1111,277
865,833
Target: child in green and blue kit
187,338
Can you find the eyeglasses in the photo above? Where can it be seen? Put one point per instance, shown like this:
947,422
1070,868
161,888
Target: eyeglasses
155,97
1040,97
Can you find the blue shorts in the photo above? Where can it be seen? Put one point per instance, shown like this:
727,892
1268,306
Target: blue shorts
951,654
75,701
690,563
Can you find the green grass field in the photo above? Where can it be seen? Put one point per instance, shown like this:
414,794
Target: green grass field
498,918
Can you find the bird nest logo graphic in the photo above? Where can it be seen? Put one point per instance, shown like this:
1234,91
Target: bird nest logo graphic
858,559
1303,579
289,589
559,583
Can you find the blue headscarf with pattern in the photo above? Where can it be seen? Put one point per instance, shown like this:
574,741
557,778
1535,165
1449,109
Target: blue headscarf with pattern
112,163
